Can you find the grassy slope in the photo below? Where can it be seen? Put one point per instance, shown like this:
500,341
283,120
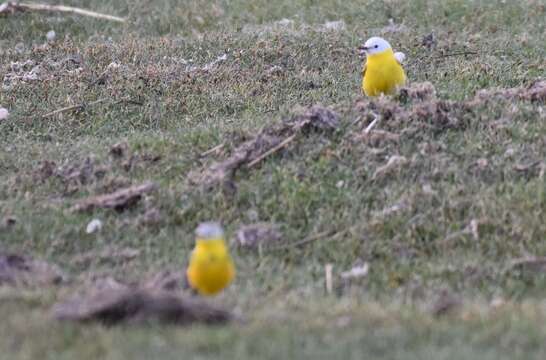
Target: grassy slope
282,293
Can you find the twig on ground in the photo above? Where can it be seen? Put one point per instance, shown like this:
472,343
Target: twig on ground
372,124
213,150
271,151
461,53
13,6
82,106
73,107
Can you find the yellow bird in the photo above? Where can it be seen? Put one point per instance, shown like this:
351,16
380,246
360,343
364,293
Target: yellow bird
383,71
211,268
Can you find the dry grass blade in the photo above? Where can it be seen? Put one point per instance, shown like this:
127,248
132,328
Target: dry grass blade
213,150
13,6
272,151
372,125
83,106
72,107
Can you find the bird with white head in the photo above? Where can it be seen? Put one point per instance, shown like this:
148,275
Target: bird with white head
383,71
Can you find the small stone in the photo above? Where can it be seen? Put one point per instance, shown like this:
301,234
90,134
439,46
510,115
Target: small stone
20,47
510,152
51,35
94,226
356,272
497,302
4,113
284,22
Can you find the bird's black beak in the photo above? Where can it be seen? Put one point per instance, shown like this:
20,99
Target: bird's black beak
362,50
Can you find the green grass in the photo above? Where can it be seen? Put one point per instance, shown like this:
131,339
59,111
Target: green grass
272,69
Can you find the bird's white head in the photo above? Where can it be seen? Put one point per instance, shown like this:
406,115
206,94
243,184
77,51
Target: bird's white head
209,231
374,45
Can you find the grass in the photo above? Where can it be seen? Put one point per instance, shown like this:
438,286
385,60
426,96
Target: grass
274,68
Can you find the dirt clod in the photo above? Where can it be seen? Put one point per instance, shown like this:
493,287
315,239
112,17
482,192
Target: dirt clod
22,270
417,91
109,301
166,280
256,235
221,171
266,143
316,117
137,305
118,150
445,304
536,91
151,217
119,200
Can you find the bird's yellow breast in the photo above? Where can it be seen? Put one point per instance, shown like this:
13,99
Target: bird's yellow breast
383,74
211,268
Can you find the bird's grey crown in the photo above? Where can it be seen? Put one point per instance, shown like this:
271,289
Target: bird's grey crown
209,230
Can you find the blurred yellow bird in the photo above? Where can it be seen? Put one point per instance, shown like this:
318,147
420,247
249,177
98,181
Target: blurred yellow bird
383,71
211,268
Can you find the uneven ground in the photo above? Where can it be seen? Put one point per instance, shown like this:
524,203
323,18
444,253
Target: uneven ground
464,197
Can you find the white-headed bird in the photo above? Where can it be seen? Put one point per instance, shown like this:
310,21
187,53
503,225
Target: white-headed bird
211,268
383,71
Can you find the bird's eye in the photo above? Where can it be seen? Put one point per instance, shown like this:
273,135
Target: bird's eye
376,46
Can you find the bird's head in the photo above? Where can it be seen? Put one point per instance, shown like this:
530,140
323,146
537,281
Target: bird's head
374,45
209,231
